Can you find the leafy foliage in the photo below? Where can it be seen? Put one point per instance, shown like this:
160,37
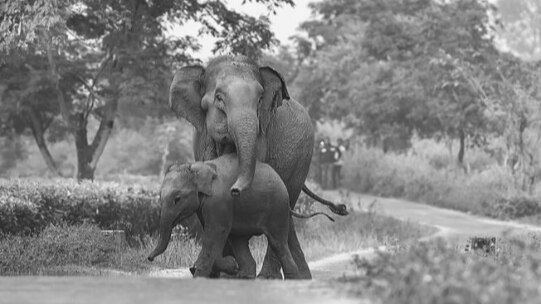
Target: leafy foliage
29,206
437,272
71,60
397,68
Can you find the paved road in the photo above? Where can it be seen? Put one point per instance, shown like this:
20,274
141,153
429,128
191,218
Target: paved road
118,290
178,287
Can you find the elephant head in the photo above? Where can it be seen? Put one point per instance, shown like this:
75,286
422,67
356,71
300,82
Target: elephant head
232,101
180,197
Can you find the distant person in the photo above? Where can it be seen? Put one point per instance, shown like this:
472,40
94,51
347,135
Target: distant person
338,162
325,152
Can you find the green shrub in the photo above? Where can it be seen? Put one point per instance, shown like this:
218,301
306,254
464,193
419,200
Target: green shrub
438,272
425,176
28,206
514,207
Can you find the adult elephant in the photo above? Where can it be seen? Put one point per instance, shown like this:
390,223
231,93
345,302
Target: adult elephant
235,105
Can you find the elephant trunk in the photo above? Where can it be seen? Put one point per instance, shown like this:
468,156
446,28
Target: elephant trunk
166,228
244,128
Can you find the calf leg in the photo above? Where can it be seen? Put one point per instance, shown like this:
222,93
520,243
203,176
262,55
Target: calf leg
226,265
214,240
247,266
271,266
280,247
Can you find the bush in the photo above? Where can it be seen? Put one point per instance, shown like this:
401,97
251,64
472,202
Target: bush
514,207
28,206
426,176
438,272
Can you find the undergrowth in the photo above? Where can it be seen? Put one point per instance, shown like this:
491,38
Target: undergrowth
434,178
440,272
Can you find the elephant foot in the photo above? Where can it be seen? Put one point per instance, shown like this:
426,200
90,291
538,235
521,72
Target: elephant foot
246,275
303,275
226,265
270,275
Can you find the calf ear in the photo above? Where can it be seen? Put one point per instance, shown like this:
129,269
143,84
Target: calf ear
204,175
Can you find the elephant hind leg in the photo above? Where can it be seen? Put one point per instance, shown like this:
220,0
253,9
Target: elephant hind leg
280,247
271,266
297,253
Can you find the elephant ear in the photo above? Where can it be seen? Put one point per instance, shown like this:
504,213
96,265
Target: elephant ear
204,175
185,95
275,91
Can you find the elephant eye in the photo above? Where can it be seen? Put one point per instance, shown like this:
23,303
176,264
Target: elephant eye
177,200
219,101
218,97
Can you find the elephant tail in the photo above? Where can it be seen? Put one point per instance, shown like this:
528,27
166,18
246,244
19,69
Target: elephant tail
306,216
339,209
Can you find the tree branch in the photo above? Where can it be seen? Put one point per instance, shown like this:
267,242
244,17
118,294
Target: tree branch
104,131
38,133
56,80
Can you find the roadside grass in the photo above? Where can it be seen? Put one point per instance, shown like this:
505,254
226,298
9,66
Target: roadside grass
56,247
440,272
84,250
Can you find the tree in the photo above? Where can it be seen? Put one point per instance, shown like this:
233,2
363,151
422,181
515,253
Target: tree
100,54
396,68
512,94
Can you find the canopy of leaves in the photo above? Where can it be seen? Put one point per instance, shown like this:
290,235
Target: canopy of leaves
72,59
399,66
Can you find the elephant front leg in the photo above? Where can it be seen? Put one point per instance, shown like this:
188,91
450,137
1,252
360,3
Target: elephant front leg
227,265
211,251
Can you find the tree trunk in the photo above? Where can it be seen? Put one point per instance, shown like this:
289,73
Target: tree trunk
84,153
462,148
38,131
88,155
104,131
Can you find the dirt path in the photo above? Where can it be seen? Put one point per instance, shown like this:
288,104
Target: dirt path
176,286
454,225
449,222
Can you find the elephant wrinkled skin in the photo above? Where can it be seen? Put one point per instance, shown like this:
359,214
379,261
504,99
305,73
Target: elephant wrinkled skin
237,106
203,188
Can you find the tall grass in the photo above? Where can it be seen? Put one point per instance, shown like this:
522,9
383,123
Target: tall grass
55,247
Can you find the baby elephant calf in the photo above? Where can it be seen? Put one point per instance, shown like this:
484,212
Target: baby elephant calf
204,188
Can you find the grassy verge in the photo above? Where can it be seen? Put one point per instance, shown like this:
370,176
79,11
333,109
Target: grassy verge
440,272
83,250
